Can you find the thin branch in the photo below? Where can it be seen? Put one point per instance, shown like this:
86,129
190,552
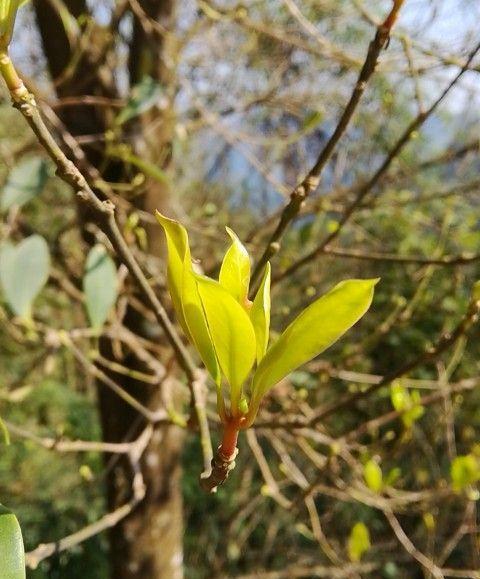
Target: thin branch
365,189
310,183
44,551
104,212
446,260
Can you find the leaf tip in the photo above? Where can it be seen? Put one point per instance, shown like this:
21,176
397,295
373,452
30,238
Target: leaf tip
160,217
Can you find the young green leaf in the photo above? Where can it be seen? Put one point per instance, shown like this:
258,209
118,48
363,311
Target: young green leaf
358,542
235,270
406,402
8,12
464,471
24,270
12,554
144,165
372,473
260,314
144,95
25,181
312,332
4,434
197,324
100,285
232,334
183,290
178,254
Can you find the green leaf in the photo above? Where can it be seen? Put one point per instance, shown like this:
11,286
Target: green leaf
4,434
178,253
260,314
312,120
372,473
312,332
358,542
408,403
25,182
235,270
12,554
145,166
144,96
232,334
183,290
8,12
393,475
100,285
24,270
464,471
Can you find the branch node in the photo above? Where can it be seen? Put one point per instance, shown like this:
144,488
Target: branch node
222,466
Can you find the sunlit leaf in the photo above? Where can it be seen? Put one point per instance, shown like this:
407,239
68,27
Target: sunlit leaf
358,542
12,554
100,285
178,254
25,181
429,521
312,332
184,292
24,270
8,11
464,471
260,314
232,334
407,402
235,270
372,473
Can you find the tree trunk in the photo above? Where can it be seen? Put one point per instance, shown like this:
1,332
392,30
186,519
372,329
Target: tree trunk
148,544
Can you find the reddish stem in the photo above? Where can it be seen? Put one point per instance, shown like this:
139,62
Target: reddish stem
229,441
392,17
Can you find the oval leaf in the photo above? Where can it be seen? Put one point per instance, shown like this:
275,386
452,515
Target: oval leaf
372,473
26,181
183,290
312,332
178,253
464,471
24,270
235,270
197,324
232,334
260,314
12,554
100,285
358,542
144,96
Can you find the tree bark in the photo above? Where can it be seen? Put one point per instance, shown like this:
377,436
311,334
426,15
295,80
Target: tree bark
148,544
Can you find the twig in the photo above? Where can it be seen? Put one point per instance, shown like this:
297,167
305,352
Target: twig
310,183
104,212
365,189
446,260
407,544
60,445
44,551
